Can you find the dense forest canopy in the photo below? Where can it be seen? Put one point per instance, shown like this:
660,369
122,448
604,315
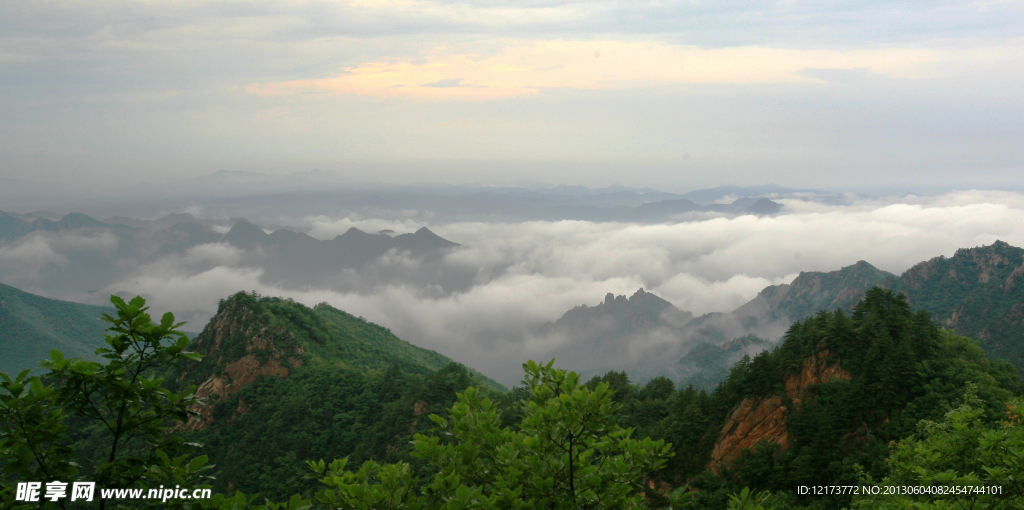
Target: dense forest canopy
865,397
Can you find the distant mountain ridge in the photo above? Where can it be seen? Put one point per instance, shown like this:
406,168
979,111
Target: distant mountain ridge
287,258
593,340
308,195
979,292
13,226
811,292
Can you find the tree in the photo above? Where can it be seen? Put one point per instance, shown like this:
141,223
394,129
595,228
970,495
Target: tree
122,404
958,453
568,453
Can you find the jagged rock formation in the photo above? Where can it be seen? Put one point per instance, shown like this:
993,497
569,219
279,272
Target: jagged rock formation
595,339
239,347
763,419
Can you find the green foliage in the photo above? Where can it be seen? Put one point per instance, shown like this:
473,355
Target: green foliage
262,436
568,452
129,407
748,500
959,452
30,326
900,368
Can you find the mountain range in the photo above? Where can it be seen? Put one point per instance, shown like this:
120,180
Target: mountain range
978,292
264,204
283,383
78,255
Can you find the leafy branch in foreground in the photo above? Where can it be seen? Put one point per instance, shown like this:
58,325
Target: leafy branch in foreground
121,402
568,453
958,453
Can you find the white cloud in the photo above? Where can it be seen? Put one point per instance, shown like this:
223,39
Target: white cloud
26,257
525,274
23,260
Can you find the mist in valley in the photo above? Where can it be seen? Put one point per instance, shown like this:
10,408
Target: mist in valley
488,293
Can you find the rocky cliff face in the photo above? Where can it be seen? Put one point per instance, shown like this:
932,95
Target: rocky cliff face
239,347
759,419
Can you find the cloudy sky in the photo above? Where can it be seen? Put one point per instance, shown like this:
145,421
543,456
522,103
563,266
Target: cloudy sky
669,94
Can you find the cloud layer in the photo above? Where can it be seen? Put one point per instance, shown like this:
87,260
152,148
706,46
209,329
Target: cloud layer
516,277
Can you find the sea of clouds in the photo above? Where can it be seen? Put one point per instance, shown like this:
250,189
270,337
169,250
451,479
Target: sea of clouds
481,303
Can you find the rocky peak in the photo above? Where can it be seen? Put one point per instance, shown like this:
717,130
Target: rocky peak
239,345
757,419
970,266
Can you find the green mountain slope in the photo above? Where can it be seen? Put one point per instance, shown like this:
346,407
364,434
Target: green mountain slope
978,292
812,292
285,383
829,400
273,334
31,325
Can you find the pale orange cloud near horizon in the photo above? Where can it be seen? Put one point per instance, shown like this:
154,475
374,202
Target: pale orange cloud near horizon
527,67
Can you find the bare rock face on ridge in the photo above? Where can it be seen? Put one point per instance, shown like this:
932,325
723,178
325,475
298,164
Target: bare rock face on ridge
760,419
239,347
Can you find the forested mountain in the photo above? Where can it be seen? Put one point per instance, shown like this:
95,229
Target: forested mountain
31,325
837,390
283,383
812,292
286,383
836,394
979,292
646,336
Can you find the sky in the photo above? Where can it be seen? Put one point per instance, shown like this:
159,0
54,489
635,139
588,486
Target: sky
102,95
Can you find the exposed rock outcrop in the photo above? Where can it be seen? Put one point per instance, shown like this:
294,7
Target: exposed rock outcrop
759,419
239,348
